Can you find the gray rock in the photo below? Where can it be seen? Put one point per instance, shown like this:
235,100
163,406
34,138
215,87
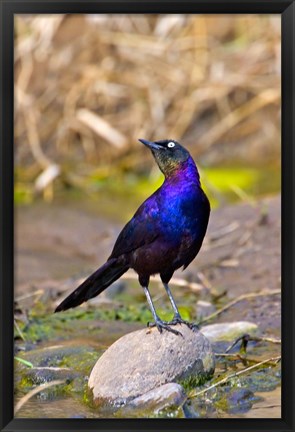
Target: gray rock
228,331
169,395
239,400
54,355
145,359
42,375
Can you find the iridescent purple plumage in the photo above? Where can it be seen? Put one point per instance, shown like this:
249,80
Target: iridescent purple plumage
167,230
165,233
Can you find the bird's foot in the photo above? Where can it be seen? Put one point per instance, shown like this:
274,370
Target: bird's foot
178,320
161,325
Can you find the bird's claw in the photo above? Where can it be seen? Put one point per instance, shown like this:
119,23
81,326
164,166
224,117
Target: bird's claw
161,325
178,320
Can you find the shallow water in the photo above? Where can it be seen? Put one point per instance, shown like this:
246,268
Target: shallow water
249,395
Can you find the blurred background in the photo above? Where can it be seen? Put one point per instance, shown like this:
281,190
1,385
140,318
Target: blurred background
88,86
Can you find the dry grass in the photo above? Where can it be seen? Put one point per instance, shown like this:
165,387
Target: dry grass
87,87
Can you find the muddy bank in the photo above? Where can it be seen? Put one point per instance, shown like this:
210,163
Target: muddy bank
238,236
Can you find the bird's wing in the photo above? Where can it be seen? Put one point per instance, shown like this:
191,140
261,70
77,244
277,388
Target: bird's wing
139,231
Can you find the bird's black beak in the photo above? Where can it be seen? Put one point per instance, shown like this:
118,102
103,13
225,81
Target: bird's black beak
151,145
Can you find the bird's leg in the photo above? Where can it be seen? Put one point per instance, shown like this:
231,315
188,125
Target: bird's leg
177,317
158,322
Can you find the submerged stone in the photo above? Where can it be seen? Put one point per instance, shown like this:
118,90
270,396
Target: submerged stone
236,400
68,363
43,375
144,360
76,357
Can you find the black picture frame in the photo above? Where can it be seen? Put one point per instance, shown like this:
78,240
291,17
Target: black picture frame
7,10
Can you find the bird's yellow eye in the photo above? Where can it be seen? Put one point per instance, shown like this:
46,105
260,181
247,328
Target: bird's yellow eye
171,144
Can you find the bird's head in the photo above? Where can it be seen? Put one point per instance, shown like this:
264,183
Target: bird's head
169,154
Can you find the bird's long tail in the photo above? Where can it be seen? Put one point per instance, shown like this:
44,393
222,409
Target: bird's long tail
94,284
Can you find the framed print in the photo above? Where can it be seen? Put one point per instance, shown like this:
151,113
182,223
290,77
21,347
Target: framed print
147,208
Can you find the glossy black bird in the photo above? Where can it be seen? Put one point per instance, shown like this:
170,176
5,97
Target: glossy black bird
165,233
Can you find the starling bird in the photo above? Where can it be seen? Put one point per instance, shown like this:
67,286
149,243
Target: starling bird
165,233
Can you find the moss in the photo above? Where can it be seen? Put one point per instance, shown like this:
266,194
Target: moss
87,398
194,381
222,404
81,361
26,383
72,364
43,326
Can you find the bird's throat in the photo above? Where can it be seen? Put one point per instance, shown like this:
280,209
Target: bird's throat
183,171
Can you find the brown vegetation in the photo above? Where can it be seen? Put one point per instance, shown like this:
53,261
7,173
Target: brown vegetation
87,87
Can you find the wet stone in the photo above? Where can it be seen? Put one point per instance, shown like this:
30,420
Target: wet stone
240,400
263,380
44,375
77,357
228,331
237,400
145,360
69,364
170,395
